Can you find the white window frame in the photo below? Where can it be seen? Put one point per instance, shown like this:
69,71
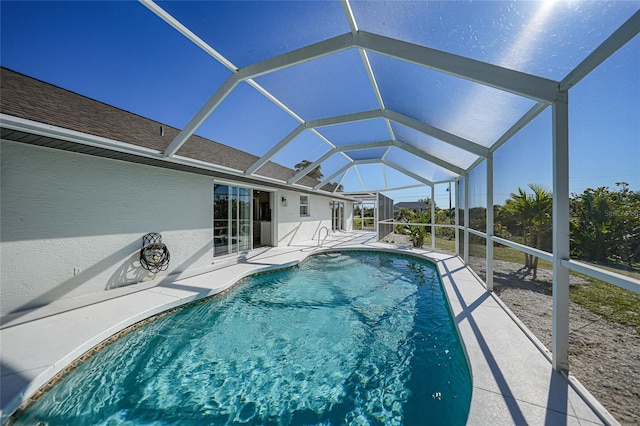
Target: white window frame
305,211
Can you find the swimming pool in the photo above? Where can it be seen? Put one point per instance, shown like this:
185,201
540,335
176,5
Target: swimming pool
350,337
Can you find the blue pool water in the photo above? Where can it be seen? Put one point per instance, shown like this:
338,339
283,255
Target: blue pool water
345,338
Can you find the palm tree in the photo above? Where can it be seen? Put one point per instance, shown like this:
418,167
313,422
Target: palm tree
533,212
419,233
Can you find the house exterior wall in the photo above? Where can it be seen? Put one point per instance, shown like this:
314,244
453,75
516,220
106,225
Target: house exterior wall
348,216
72,224
291,227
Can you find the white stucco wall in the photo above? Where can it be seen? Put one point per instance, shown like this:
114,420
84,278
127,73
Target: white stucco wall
293,229
348,216
72,224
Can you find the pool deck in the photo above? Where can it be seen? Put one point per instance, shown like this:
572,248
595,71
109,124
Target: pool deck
513,382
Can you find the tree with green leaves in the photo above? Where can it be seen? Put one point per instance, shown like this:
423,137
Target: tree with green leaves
605,224
419,233
532,211
404,215
315,173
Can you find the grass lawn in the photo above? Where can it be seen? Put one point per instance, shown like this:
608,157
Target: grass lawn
603,299
609,301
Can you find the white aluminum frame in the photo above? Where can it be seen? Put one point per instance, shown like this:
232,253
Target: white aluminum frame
560,346
545,91
389,116
489,224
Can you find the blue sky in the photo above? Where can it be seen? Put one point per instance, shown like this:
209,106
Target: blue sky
122,54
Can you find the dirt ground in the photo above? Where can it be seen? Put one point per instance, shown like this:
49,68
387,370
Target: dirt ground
603,355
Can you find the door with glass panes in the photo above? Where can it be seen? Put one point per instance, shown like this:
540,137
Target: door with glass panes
337,216
231,219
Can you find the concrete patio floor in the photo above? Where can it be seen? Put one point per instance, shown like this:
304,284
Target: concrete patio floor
513,382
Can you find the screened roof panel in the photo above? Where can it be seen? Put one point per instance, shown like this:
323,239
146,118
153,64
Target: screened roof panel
395,179
307,146
249,32
339,178
332,85
373,130
367,154
351,182
301,68
248,121
374,176
475,112
547,38
76,46
333,164
437,148
418,166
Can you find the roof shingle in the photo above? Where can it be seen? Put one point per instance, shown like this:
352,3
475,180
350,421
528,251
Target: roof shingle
25,97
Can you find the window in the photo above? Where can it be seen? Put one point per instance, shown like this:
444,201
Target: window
304,205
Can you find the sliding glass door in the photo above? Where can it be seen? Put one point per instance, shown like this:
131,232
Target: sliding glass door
244,219
232,231
221,222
